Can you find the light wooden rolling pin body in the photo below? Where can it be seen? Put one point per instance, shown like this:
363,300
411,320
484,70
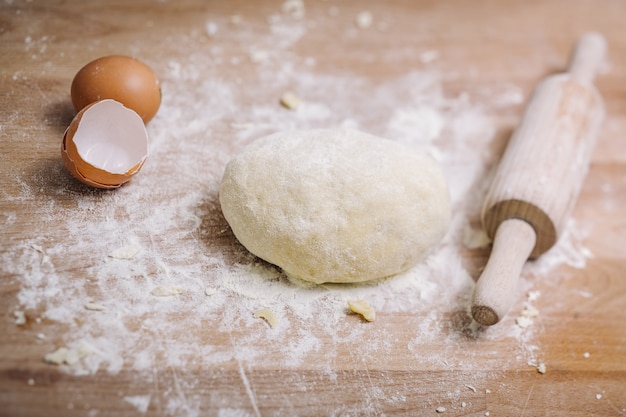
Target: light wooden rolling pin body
540,175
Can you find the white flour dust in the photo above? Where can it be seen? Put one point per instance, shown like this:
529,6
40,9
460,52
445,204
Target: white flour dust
145,270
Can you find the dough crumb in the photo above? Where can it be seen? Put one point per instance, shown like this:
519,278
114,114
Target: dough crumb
463,404
586,355
523,321
475,239
44,256
267,315
126,252
67,356
533,296
290,100
38,248
59,356
470,387
363,308
541,368
20,318
209,291
440,409
598,396
166,291
529,311
94,307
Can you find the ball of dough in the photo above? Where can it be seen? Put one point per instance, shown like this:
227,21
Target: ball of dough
335,205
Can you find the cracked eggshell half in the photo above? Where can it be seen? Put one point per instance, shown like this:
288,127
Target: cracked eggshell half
105,145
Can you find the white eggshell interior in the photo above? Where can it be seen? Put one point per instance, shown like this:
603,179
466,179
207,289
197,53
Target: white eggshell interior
111,137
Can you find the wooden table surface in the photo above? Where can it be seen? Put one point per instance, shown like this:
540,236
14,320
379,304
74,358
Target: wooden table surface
451,76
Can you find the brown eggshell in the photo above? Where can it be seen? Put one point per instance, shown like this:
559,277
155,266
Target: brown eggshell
71,167
121,78
105,145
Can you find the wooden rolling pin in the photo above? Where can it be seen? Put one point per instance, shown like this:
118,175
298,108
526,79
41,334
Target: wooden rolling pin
540,175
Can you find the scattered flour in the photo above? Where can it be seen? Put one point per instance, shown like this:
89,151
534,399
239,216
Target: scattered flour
163,232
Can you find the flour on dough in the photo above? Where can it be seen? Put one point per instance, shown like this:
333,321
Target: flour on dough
335,205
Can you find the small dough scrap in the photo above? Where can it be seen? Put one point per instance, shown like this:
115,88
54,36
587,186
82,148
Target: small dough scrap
530,312
267,315
335,205
290,100
126,252
20,317
94,307
523,321
60,356
166,291
70,356
541,368
363,308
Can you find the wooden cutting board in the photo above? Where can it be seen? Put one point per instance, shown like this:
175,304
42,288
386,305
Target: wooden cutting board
449,77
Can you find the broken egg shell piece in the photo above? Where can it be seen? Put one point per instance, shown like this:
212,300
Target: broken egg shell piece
105,145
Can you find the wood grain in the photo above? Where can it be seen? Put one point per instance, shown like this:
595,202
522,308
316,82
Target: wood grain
482,45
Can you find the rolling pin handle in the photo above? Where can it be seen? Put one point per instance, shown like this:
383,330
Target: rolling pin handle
587,57
495,290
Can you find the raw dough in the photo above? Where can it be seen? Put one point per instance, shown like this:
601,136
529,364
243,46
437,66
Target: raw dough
267,315
363,308
335,205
